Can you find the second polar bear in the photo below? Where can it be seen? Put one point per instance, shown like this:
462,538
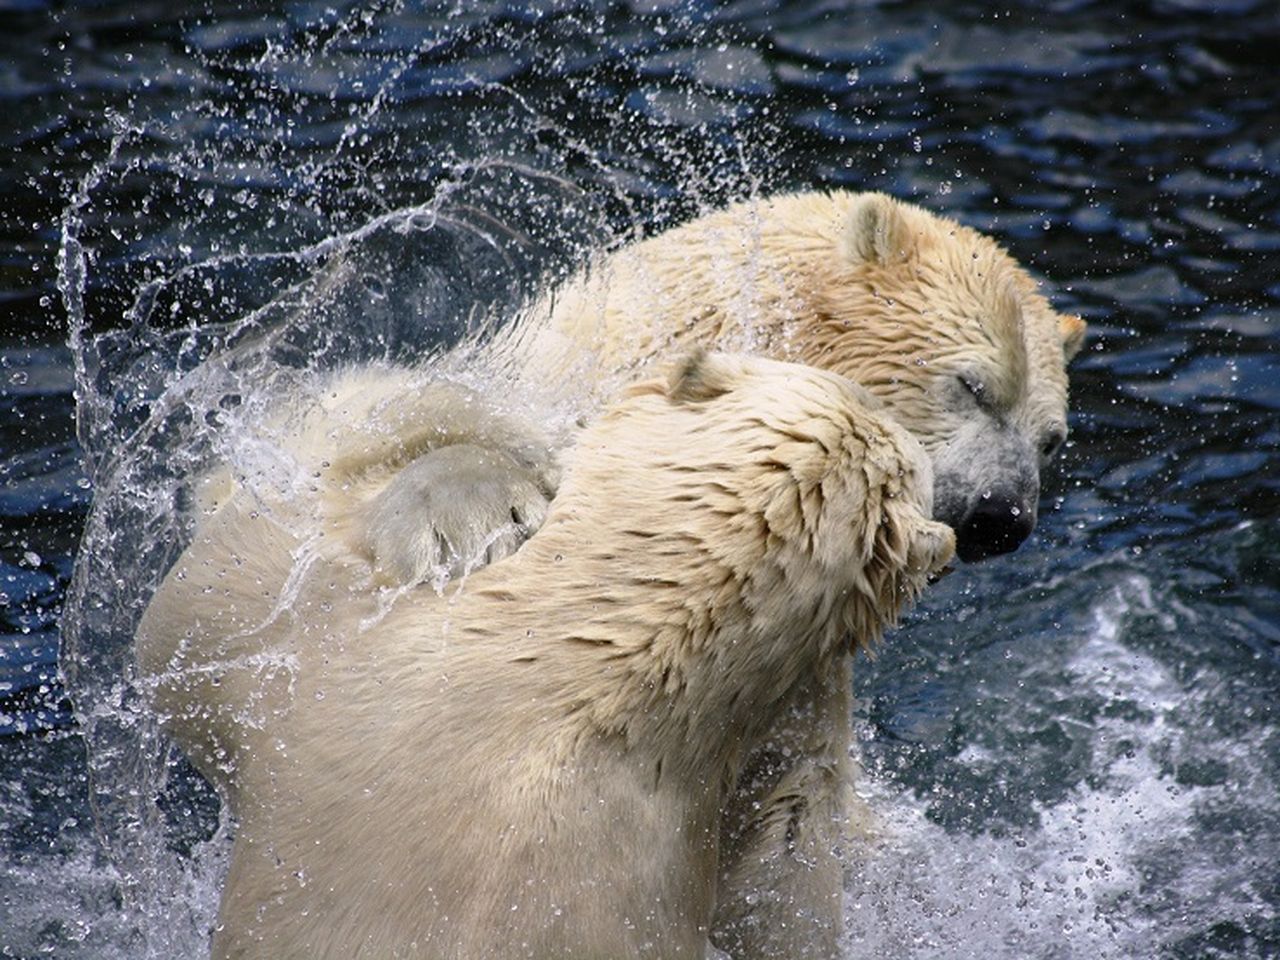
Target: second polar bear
536,764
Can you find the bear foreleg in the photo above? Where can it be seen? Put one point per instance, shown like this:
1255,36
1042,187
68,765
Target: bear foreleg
782,876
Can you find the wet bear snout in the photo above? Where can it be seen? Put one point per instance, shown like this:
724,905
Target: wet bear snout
997,523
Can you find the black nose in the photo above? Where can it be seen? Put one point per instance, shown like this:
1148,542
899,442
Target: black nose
997,524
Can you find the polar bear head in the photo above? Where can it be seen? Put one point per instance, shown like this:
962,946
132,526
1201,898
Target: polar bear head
949,331
779,495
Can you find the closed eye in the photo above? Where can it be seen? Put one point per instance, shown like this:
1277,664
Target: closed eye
1051,444
974,387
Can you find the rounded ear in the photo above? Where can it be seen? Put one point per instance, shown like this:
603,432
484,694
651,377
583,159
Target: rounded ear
701,376
876,231
1072,330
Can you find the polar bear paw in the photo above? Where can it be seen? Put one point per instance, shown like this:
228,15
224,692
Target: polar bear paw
452,511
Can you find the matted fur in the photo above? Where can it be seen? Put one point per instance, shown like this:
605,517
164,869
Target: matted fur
535,764
934,319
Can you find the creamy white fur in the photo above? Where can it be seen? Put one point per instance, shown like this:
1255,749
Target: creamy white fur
901,301
908,304
536,763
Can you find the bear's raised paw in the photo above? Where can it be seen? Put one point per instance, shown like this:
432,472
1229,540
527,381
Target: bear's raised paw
452,511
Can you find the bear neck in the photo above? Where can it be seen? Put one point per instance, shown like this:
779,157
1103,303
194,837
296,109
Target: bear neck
682,677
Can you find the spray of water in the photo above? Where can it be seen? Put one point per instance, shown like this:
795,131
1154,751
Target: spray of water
224,253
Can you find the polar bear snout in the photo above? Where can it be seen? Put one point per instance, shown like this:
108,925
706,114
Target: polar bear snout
987,488
997,523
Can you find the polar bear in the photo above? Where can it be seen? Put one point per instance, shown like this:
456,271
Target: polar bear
933,318
537,762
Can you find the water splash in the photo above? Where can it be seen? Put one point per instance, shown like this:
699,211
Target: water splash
1115,866
222,253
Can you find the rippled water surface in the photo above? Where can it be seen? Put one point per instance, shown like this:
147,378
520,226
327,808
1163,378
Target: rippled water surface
1075,750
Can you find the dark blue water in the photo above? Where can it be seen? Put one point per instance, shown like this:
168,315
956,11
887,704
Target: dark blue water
1075,750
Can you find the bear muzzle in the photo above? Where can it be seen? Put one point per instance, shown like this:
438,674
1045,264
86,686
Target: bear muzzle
997,523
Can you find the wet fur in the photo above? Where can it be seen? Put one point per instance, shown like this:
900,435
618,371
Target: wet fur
539,763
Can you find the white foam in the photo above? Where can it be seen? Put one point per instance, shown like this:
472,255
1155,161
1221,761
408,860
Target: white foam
1079,884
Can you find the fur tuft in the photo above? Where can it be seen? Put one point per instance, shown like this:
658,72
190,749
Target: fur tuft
1073,330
